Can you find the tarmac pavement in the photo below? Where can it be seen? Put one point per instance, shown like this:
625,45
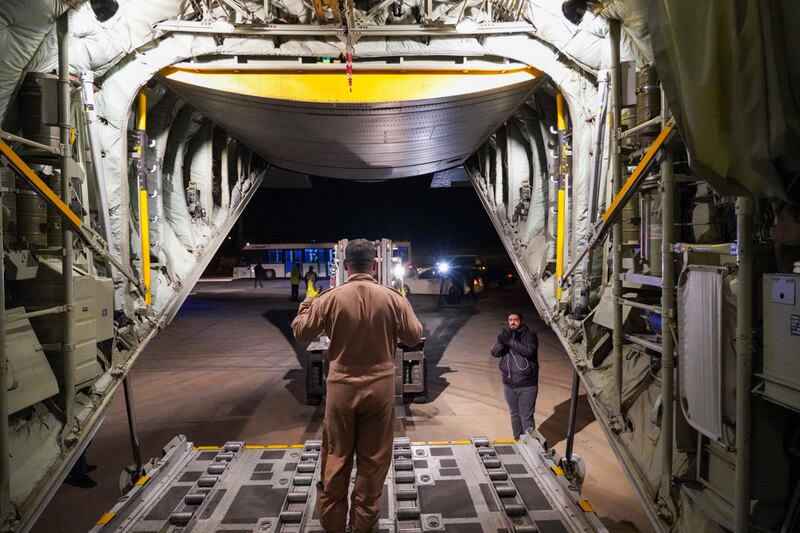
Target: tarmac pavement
228,369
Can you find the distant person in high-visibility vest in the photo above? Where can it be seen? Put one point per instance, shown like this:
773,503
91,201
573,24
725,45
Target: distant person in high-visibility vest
294,279
311,276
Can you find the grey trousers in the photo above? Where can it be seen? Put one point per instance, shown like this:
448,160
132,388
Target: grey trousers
521,404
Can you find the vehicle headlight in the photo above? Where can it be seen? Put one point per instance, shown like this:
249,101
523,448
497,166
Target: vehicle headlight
444,268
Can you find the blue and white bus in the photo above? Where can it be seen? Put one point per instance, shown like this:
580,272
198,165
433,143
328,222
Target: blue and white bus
278,259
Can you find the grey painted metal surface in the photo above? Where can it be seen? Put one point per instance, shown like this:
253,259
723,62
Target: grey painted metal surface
360,141
5,463
395,30
781,371
616,239
461,486
744,363
68,255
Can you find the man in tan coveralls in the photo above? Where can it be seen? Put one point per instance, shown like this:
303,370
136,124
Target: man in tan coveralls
364,321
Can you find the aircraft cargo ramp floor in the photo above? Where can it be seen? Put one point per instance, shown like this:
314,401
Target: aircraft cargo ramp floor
227,370
470,486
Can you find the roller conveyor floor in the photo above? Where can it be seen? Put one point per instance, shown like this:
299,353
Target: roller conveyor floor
469,486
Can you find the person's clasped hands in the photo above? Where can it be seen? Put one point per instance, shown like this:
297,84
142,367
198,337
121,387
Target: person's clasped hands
505,336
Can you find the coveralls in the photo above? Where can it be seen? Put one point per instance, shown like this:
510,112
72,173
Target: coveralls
364,321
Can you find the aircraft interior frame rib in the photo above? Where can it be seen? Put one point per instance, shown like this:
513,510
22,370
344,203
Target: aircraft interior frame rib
551,117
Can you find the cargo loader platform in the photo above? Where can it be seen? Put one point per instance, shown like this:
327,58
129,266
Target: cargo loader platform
469,486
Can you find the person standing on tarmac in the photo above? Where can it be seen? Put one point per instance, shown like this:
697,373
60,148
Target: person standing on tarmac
311,276
311,282
294,279
364,321
518,347
258,275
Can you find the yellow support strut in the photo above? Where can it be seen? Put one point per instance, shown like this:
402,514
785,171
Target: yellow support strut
141,123
94,241
144,220
562,193
630,186
641,169
37,183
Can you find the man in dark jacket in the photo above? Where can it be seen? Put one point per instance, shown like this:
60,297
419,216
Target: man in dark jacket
258,275
518,349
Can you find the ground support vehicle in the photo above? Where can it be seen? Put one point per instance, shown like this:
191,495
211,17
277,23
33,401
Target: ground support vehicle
410,365
410,372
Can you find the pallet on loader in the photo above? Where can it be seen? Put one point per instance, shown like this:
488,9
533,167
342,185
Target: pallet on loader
411,373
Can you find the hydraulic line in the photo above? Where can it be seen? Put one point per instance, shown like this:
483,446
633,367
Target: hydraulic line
134,435
573,413
68,339
668,318
616,184
744,361
5,452
594,193
90,119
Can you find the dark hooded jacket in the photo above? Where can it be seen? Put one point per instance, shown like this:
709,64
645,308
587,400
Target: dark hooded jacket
519,358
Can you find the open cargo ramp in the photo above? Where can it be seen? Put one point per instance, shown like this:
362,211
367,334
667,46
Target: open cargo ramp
467,486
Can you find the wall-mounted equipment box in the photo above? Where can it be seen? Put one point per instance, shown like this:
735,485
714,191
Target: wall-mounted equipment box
93,318
782,339
30,378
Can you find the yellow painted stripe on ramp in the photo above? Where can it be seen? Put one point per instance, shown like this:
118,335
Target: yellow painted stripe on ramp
106,518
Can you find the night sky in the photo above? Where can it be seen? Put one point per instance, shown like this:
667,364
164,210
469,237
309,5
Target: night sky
438,222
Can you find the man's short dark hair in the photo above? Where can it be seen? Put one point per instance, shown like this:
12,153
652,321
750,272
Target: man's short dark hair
516,313
360,254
